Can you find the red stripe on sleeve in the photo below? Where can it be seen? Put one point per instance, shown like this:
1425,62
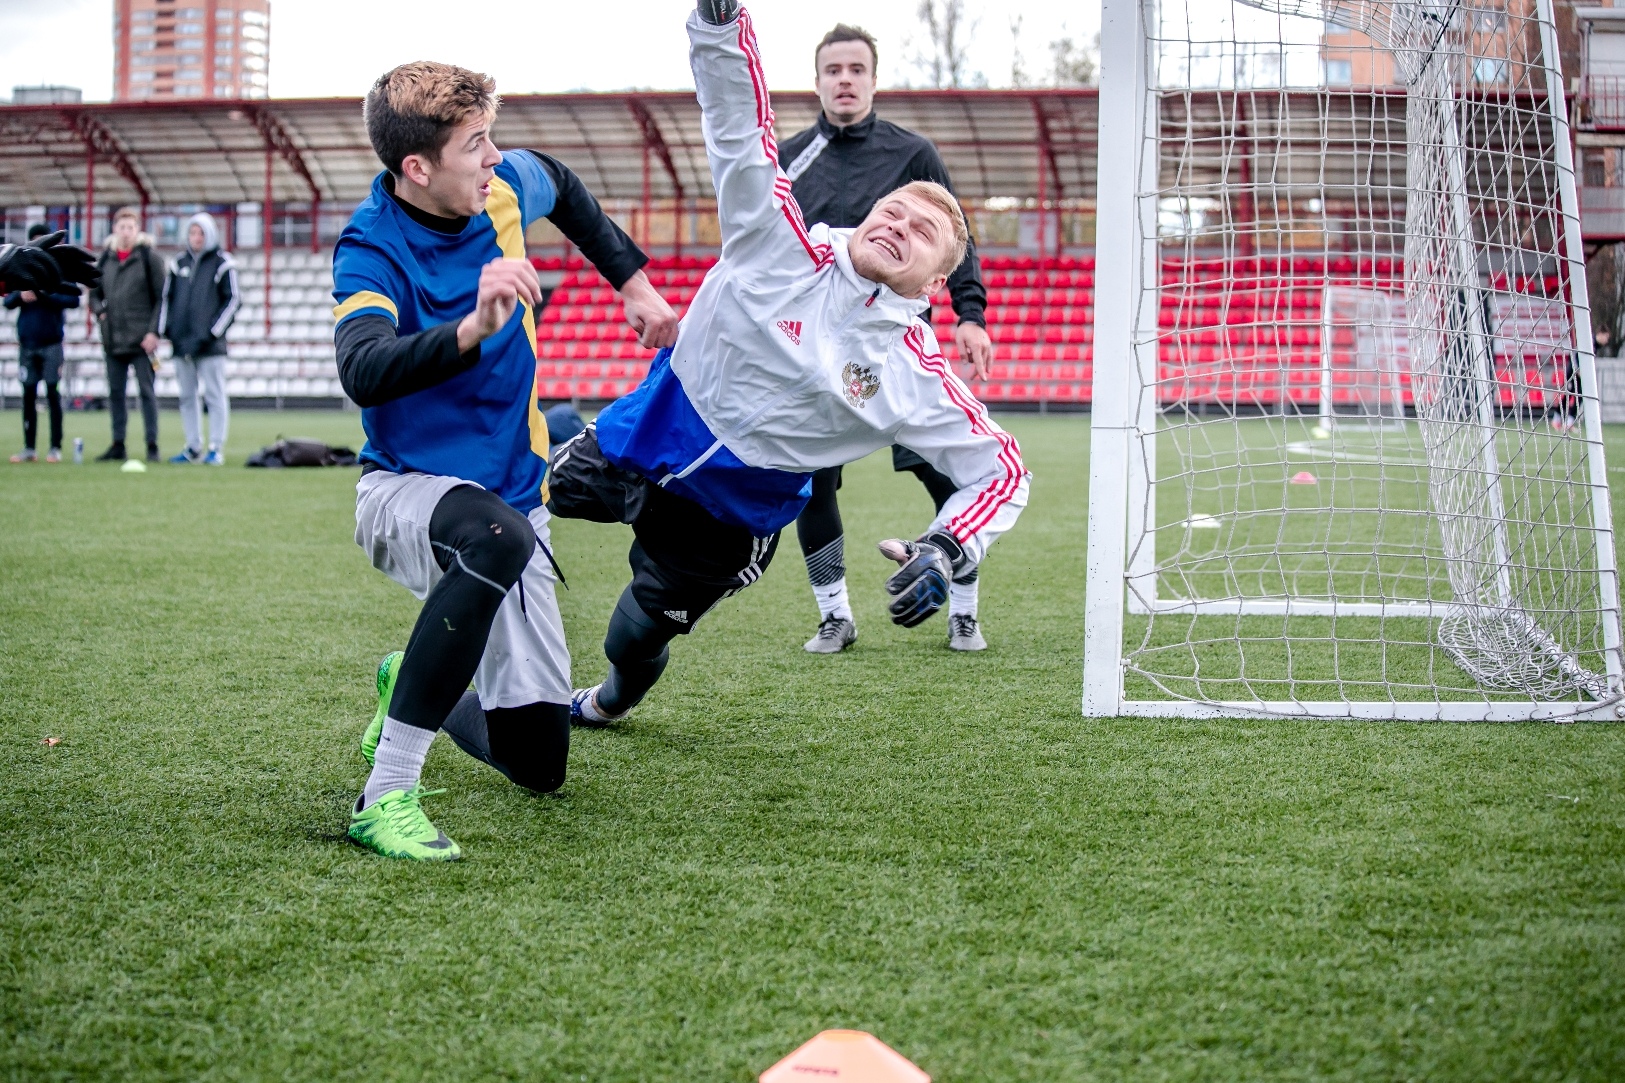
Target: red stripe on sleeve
821,254
999,493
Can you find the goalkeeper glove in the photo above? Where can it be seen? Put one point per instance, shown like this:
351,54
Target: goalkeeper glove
920,587
718,12
29,267
73,262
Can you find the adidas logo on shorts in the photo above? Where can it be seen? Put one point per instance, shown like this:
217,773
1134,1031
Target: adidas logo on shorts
792,330
678,615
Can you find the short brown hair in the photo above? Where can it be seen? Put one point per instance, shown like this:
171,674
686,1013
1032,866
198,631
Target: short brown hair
127,212
413,109
942,199
842,32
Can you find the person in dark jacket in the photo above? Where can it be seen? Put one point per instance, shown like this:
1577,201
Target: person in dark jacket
201,299
126,304
39,338
839,169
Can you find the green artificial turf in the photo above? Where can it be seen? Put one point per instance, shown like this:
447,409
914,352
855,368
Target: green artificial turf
929,846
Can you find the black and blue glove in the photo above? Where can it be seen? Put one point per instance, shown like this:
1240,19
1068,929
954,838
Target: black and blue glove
920,587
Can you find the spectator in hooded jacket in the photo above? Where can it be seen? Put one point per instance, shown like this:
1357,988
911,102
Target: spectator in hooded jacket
39,337
126,303
201,299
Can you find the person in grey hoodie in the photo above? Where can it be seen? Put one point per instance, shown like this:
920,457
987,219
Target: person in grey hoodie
201,299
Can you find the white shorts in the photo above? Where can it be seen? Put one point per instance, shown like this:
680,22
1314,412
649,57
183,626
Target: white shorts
525,659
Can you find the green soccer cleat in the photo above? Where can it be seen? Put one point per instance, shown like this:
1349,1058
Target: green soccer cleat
388,670
395,826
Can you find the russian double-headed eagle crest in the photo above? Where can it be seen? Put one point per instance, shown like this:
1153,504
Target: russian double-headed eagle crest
859,384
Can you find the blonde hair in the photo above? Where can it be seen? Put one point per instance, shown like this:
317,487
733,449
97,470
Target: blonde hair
414,108
127,212
939,197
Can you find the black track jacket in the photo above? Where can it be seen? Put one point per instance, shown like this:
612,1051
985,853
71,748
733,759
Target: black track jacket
862,163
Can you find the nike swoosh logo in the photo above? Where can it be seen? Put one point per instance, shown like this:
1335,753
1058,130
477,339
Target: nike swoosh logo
441,843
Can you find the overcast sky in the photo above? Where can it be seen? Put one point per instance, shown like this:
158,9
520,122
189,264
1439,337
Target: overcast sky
325,48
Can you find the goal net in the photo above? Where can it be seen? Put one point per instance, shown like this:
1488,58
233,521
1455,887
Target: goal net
1364,358
1346,457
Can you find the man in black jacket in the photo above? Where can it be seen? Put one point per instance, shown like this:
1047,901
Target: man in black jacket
201,299
839,168
39,337
126,303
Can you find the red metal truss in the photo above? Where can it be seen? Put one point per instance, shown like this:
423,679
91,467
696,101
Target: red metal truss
1046,148
655,143
100,144
277,139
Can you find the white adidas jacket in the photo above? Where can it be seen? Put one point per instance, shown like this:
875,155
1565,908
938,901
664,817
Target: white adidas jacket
793,360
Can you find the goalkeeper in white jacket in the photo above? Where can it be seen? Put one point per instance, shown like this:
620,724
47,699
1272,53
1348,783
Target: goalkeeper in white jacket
803,349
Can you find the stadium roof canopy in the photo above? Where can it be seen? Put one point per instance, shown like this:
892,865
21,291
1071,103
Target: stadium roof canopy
1021,143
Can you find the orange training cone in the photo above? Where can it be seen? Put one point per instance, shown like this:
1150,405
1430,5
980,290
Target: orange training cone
847,1056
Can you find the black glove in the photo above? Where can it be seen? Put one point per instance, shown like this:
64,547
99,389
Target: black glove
74,262
920,587
718,12
28,267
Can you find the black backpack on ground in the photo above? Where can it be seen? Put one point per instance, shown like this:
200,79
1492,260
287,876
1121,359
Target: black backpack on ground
298,452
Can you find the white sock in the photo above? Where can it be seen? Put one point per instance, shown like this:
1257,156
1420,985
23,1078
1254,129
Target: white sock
399,761
832,600
592,712
962,598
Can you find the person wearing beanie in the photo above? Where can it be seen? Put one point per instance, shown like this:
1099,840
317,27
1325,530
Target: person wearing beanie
201,298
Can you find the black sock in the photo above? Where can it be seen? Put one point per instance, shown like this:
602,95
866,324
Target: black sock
530,744
483,545
636,646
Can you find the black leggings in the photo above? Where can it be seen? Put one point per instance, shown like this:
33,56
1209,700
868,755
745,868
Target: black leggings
529,744
483,545
636,646
53,397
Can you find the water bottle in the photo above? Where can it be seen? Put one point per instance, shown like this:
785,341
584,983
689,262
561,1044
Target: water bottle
79,450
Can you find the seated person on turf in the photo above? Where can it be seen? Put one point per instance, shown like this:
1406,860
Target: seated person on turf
436,325
803,349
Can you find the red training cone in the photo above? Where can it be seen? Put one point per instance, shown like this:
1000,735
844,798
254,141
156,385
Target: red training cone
849,1056
1303,477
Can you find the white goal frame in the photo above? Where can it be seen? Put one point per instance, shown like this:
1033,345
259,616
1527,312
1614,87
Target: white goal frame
1122,574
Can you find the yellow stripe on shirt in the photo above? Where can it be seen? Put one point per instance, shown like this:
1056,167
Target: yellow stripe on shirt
365,299
503,207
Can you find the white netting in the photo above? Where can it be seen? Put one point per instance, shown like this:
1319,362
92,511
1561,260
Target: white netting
1369,475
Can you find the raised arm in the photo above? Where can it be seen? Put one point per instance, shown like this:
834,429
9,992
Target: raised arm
754,203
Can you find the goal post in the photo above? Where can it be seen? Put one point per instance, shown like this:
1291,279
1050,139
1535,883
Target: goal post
1346,456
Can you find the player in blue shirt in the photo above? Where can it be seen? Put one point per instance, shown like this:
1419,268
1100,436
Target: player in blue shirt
436,339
